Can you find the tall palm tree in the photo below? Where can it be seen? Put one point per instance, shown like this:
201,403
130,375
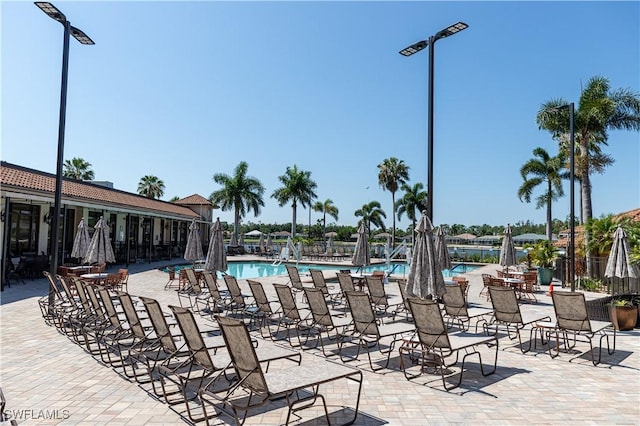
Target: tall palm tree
413,201
599,110
391,174
77,168
543,170
297,187
326,208
150,186
240,193
372,214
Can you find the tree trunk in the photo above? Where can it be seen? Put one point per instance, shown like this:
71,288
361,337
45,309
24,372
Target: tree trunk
236,223
585,190
294,207
393,213
549,217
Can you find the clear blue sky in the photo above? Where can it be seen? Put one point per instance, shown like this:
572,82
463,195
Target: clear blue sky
183,90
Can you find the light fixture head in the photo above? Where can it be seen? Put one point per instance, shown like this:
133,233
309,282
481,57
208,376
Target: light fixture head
414,48
51,11
451,30
81,36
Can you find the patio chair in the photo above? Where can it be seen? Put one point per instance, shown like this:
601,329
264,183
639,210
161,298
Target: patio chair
172,277
323,320
118,336
572,321
346,284
212,300
295,280
266,314
238,304
404,306
433,345
191,291
112,281
54,306
455,307
299,385
203,362
319,282
142,340
124,279
171,351
367,332
507,313
486,283
379,297
292,317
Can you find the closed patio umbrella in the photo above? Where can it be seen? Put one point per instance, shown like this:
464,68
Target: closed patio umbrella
269,243
216,256
81,241
193,251
425,275
100,250
508,250
444,260
234,240
618,264
329,249
241,240
261,243
361,256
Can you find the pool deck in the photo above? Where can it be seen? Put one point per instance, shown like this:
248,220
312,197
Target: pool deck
47,379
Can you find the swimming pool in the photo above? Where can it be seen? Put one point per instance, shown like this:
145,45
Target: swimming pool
248,270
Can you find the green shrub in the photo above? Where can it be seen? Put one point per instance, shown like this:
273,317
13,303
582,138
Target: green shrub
590,284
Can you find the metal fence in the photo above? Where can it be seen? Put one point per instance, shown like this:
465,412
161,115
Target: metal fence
597,282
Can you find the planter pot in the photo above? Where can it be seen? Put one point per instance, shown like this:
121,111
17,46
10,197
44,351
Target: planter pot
545,276
624,317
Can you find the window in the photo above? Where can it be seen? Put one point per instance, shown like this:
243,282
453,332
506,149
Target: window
24,220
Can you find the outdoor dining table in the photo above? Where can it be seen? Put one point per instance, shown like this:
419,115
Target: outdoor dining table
516,284
78,270
94,278
359,280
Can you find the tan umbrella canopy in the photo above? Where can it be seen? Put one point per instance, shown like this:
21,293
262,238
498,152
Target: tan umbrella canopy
261,243
216,256
619,264
100,250
241,240
442,251
269,242
508,250
81,241
331,234
425,275
234,240
361,256
193,250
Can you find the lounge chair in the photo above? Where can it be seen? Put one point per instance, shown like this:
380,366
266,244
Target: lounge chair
212,300
238,304
455,307
191,291
381,301
367,332
295,280
319,282
292,317
572,321
323,320
266,314
432,344
299,385
507,313
203,362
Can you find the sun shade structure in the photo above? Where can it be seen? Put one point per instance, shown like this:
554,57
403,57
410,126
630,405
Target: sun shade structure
508,250
442,251
216,257
193,250
81,241
425,275
100,250
361,256
619,264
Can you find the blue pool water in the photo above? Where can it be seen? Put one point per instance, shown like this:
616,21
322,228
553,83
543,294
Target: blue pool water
245,270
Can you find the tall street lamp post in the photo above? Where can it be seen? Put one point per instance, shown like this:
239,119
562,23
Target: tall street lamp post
408,51
55,14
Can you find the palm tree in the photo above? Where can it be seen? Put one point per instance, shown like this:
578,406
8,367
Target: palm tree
240,193
600,109
371,213
413,201
77,168
545,170
327,208
150,186
391,174
297,187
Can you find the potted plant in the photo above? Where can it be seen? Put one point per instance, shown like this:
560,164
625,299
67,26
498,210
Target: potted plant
543,255
623,313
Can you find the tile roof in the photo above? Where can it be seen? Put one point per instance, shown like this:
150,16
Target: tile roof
194,200
22,179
